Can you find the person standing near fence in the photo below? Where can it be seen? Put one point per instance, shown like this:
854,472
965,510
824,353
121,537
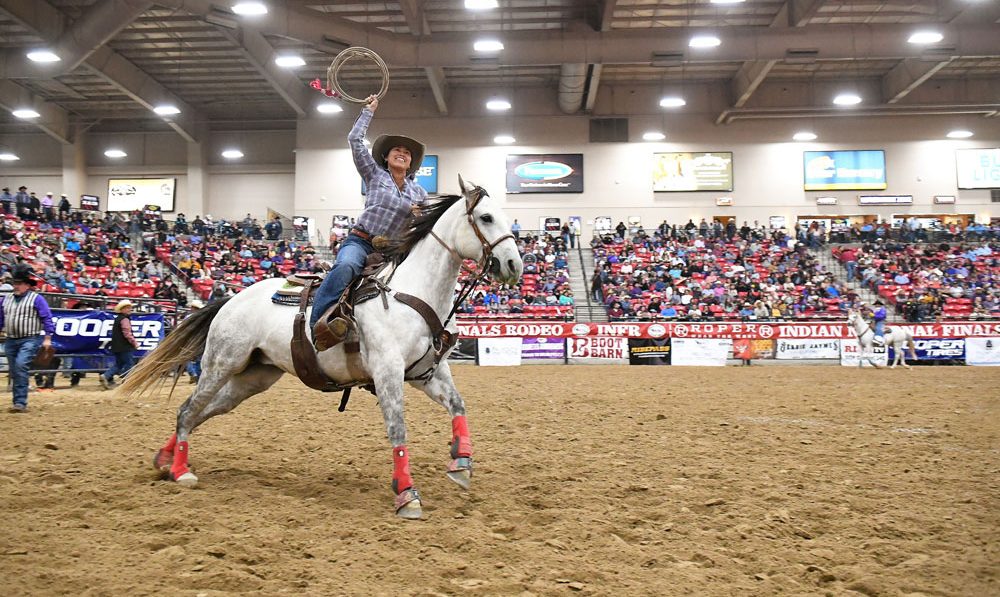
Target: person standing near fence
27,320
123,345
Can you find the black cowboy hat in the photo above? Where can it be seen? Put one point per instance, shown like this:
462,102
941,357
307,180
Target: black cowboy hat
23,273
382,145
878,302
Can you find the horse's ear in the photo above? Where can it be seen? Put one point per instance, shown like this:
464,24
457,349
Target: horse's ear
461,185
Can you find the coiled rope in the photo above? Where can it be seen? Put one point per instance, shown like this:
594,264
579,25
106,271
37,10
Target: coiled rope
341,59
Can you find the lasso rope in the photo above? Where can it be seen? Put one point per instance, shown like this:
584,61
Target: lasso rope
333,88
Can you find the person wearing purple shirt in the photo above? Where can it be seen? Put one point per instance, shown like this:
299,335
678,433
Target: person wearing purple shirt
26,319
392,195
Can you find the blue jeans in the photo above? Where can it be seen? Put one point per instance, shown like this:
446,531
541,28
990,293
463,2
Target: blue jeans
350,261
194,368
20,352
123,362
879,327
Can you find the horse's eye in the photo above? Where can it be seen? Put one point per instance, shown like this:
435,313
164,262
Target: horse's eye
486,218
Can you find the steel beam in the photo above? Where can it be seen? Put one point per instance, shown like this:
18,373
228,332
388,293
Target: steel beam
259,53
906,76
53,119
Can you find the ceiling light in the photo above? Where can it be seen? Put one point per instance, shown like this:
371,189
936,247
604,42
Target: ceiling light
498,105
726,1
25,113
43,56
167,110
672,102
115,153
804,136
328,108
232,154
503,139
487,45
847,99
480,4
290,61
8,157
653,136
250,9
925,37
959,134
704,41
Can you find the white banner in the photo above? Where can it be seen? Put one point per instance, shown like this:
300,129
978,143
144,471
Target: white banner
500,352
700,351
130,194
982,351
850,354
807,349
598,348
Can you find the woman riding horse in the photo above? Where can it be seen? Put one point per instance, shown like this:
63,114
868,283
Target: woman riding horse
392,194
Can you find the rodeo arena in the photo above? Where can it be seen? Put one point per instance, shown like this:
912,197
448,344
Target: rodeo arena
704,295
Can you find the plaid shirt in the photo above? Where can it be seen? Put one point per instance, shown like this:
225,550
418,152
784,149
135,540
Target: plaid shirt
387,209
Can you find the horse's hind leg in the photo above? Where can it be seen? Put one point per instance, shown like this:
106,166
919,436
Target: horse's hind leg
196,410
441,389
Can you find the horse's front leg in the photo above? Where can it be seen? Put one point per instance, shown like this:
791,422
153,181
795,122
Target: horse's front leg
441,389
389,386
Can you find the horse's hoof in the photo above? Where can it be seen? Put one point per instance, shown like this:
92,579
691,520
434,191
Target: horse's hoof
188,479
163,460
408,505
462,477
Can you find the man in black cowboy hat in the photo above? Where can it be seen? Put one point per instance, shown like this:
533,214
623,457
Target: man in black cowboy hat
388,173
878,317
27,320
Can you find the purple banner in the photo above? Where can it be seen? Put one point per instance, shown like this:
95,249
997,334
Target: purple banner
543,348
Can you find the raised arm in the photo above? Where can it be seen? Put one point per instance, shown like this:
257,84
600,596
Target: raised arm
363,159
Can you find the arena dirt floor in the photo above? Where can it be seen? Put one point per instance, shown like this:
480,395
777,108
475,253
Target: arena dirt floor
590,480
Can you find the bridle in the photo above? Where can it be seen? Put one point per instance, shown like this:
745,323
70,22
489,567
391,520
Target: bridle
857,317
480,271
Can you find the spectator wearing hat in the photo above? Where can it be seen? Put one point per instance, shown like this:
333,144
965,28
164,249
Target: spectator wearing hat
64,208
388,172
23,201
123,345
7,201
27,320
48,208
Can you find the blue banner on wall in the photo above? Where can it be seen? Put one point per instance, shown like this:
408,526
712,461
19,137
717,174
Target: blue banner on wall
425,176
936,349
89,332
844,170
551,173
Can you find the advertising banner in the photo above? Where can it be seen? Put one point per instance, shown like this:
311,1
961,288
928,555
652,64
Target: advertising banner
762,349
649,352
545,173
543,348
755,331
700,352
598,348
693,171
787,349
935,349
90,202
978,168
862,170
130,194
89,332
500,352
983,352
850,354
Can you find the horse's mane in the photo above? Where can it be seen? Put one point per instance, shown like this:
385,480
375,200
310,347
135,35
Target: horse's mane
420,226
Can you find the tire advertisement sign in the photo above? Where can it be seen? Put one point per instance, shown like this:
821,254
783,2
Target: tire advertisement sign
935,349
598,348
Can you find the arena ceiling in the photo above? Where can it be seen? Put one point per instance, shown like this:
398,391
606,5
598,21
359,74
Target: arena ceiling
120,58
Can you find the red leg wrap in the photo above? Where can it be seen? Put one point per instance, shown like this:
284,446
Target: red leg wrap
171,444
180,465
461,444
401,480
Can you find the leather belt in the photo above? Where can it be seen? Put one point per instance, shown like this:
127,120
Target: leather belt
361,234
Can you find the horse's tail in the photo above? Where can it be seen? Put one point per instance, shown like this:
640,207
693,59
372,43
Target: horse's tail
185,343
913,345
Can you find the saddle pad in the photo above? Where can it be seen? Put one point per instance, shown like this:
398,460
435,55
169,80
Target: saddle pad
288,294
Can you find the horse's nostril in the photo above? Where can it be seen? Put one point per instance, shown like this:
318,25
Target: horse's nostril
510,265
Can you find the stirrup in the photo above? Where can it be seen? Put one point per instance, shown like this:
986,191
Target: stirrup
327,334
